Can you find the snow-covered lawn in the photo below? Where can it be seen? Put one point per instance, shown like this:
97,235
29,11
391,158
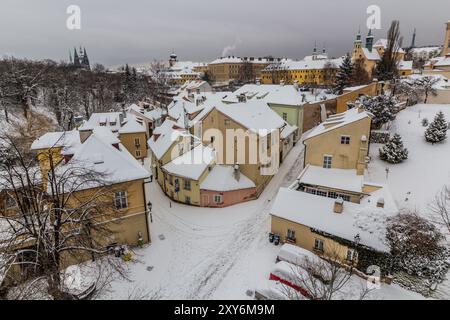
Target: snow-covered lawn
415,182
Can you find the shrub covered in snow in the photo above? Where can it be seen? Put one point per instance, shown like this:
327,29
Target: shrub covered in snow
394,151
379,136
417,250
382,107
437,130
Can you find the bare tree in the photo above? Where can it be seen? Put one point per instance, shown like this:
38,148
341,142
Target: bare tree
53,222
441,207
387,68
246,73
323,278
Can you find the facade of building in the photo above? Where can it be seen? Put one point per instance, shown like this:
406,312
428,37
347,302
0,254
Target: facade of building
370,55
341,142
316,70
231,68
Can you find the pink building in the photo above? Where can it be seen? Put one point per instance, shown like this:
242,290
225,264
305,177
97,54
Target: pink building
225,186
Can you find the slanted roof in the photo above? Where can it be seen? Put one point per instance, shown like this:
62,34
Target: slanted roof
384,43
132,126
364,219
342,179
256,116
371,55
191,164
287,130
114,165
338,120
106,135
405,65
168,132
221,178
57,139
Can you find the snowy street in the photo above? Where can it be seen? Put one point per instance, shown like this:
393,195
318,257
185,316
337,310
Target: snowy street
201,253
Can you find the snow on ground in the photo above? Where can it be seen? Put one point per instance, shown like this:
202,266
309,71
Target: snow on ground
415,182
201,253
221,253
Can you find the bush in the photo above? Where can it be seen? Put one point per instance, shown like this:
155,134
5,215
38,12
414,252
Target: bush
394,151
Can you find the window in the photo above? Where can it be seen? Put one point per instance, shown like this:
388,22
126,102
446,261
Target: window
187,200
345,197
327,161
138,153
217,198
291,234
310,190
212,139
345,139
137,141
284,116
321,193
227,122
351,255
10,202
318,245
120,199
332,194
187,184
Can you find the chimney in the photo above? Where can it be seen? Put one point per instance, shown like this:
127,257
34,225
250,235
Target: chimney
237,172
338,205
380,203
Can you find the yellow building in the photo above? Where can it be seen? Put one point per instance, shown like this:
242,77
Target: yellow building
121,184
370,55
342,141
312,70
134,138
238,131
230,68
129,128
329,227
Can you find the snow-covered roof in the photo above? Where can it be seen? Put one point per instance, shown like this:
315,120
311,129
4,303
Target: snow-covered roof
132,125
405,65
168,132
256,116
338,120
443,83
364,219
384,44
221,178
57,139
287,130
233,59
114,165
309,64
278,94
342,179
191,164
106,135
371,55
109,119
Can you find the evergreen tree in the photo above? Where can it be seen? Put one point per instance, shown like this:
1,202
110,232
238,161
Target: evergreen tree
344,75
437,130
382,107
394,151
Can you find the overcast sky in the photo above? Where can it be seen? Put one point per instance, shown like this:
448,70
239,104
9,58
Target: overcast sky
136,31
